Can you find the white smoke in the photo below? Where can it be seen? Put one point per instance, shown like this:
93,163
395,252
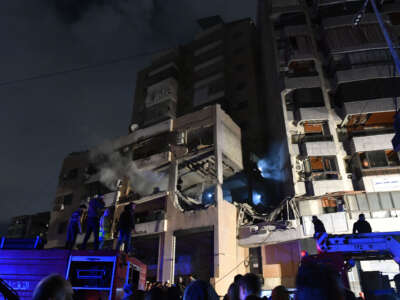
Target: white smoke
114,165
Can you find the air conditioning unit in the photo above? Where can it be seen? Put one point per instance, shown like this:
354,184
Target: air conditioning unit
300,166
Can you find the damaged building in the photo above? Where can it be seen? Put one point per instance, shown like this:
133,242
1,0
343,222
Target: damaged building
189,161
202,149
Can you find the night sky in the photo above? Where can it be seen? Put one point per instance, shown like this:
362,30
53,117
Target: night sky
43,120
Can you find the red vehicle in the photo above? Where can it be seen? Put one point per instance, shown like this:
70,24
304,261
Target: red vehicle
93,274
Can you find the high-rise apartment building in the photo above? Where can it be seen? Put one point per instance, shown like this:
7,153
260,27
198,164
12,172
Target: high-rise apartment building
219,66
335,85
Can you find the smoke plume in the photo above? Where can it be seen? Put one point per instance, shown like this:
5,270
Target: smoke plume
114,165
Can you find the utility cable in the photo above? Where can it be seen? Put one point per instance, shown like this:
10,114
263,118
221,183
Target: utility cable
81,68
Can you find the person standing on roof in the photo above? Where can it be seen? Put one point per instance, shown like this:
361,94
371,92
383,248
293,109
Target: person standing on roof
74,227
318,225
361,226
125,225
93,221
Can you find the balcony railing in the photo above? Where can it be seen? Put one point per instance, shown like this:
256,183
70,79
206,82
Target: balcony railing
381,171
363,132
304,138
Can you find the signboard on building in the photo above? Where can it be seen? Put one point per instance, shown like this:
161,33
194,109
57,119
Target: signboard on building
386,183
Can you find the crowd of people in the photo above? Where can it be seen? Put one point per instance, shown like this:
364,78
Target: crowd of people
315,281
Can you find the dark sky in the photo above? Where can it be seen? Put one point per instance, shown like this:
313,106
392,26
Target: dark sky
43,120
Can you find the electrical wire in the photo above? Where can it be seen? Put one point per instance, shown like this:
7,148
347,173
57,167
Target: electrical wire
81,68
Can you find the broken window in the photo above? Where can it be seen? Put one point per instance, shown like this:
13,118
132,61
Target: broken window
323,168
379,159
200,138
151,146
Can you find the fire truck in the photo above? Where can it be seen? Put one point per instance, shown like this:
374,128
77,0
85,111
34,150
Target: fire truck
342,252
92,274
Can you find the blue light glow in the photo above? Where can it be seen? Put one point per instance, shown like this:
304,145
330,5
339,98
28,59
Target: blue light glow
272,166
257,198
209,196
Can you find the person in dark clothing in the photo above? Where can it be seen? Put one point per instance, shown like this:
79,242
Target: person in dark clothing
318,281
74,227
361,226
200,290
318,225
93,221
249,284
125,226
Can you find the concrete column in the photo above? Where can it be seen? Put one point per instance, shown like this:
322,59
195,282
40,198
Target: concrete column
168,258
218,196
160,260
228,256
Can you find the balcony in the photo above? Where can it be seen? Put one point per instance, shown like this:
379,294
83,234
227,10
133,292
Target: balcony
305,138
302,81
152,227
364,72
321,148
318,113
366,143
153,161
335,184
367,106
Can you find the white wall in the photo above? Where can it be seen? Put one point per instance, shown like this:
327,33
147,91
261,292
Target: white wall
322,187
373,143
368,106
381,183
314,113
320,148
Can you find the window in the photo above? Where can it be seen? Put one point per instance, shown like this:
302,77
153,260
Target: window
323,168
62,227
379,159
68,199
